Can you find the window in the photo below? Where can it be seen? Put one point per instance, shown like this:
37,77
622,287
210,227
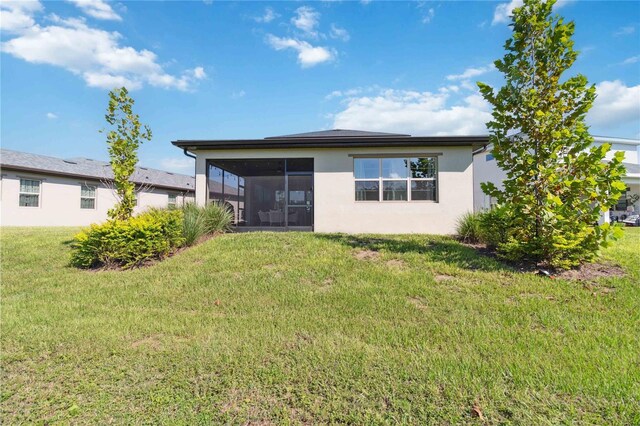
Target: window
87,196
623,202
395,179
29,193
173,198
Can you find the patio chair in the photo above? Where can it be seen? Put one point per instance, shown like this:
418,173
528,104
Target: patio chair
293,218
264,218
275,216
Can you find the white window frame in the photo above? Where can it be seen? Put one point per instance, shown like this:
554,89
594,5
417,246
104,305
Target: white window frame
39,193
94,198
169,203
380,179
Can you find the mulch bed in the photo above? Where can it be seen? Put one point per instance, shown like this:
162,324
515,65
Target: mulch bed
587,272
591,271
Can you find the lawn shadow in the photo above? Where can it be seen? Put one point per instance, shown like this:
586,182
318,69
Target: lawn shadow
434,248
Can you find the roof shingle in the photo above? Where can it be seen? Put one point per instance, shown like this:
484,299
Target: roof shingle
338,133
85,167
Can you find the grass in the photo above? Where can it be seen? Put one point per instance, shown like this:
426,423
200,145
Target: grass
276,328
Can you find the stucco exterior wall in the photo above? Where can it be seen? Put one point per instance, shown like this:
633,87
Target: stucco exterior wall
60,201
631,151
485,169
335,208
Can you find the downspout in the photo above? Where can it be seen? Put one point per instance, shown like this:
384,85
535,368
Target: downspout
188,154
184,150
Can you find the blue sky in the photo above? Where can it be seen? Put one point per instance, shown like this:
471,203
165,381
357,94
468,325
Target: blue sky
243,70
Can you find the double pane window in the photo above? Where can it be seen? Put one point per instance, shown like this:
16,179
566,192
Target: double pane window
173,198
396,179
87,196
29,193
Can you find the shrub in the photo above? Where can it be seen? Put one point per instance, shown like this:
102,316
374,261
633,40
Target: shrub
193,226
130,242
200,221
468,227
217,217
557,184
495,226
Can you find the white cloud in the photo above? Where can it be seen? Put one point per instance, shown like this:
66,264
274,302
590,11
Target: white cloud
239,94
418,113
109,81
503,11
339,33
198,73
308,55
350,93
98,9
306,20
16,16
631,60
427,17
334,94
51,116
268,16
444,113
616,104
471,72
95,55
177,164
427,13
627,30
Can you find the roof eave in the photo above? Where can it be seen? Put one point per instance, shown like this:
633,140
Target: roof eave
351,142
88,177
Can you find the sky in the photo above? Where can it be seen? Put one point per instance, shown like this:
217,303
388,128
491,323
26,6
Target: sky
233,70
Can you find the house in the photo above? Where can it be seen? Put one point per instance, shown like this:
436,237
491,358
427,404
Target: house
485,169
339,180
36,190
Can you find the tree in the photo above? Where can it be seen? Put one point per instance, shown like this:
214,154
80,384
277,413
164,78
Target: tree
557,184
124,139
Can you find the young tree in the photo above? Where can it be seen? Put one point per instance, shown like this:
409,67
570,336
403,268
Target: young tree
126,135
557,184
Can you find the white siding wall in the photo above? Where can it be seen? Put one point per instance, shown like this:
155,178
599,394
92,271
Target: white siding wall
488,171
631,152
485,169
334,190
60,201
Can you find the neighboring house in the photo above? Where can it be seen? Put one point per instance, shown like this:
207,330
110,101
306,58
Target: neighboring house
339,180
36,190
485,169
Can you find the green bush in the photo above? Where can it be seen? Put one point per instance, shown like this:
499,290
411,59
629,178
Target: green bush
193,226
201,221
468,227
217,217
128,243
505,230
495,226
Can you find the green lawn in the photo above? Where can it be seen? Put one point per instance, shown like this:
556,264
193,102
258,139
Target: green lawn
275,328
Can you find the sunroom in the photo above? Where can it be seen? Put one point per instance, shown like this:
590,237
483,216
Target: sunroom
274,193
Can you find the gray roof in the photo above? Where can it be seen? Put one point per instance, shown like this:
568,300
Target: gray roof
88,168
338,133
337,138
